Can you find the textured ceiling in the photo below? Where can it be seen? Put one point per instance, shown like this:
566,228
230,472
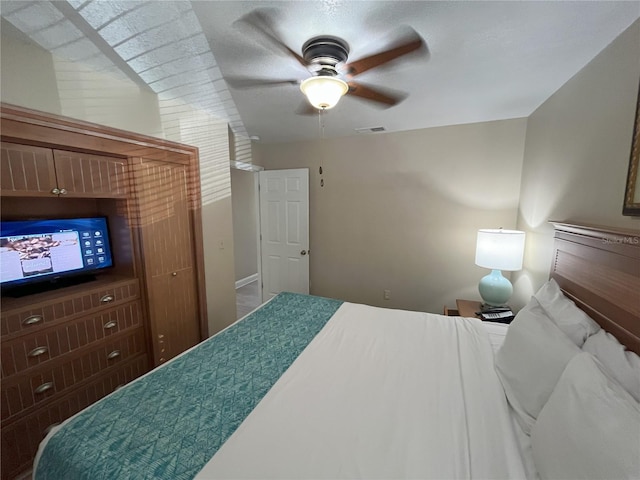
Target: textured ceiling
487,60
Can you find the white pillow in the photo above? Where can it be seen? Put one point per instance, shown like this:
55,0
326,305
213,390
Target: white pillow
620,364
589,428
531,360
576,324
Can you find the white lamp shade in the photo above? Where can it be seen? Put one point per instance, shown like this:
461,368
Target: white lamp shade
324,92
500,249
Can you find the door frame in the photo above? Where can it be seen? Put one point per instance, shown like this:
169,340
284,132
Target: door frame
249,167
255,169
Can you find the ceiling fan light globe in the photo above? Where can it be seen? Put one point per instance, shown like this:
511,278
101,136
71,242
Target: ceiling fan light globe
324,92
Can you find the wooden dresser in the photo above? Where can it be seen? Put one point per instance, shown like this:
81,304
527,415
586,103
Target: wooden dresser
62,352
66,348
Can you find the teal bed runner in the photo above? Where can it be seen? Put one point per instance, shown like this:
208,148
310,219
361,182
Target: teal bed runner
168,424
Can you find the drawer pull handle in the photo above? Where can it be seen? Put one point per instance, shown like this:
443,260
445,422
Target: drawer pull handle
63,191
36,352
56,191
33,319
114,354
44,387
107,298
109,325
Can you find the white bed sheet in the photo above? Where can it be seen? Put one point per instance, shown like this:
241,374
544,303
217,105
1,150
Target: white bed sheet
361,402
497,332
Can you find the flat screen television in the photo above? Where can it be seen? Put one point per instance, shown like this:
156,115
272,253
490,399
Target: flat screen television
47,253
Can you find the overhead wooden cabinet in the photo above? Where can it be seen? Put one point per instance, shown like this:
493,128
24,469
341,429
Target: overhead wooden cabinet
34,171
63,349
27,170
86,175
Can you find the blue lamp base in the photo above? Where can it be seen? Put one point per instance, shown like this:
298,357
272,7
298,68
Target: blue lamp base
494,289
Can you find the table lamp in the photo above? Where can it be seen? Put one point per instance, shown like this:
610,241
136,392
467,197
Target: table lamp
498,250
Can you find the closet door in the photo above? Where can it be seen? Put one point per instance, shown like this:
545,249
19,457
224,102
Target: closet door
164,224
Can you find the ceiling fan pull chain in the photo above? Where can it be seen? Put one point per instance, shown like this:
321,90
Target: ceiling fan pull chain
321,123
321,131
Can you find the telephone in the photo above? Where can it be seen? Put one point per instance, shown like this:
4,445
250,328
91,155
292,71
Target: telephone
496,314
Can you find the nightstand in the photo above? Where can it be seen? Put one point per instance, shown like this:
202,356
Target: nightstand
468,308
464,308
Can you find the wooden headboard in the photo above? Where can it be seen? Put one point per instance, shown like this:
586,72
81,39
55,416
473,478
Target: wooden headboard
599,269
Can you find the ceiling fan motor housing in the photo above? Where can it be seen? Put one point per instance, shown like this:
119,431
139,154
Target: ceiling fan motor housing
324,53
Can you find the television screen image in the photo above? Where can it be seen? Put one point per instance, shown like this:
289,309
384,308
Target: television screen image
39,250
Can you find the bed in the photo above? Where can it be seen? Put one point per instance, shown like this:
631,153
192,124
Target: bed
309,387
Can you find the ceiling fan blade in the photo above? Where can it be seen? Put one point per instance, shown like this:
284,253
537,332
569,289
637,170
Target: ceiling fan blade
251,82
409,41
262,20
385,98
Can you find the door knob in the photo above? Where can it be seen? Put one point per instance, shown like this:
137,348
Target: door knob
303,252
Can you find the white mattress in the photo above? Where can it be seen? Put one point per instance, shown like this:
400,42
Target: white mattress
381,393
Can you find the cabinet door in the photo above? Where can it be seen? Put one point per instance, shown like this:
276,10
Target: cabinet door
166,234
176,323
84,175
26,170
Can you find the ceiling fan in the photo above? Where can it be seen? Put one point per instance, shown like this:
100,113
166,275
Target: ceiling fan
325,57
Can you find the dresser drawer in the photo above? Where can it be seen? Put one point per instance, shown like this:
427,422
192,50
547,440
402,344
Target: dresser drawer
30,351
37,386
20,438
27,316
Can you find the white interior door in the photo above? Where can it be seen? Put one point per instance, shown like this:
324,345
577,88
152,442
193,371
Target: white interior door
284,231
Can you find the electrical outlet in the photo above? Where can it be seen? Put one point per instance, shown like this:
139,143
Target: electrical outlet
387,294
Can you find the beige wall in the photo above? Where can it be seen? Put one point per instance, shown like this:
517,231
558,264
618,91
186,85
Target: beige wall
400,211
245,230
577,154
31,84
33,78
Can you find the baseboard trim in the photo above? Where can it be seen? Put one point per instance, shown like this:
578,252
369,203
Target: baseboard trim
246,280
